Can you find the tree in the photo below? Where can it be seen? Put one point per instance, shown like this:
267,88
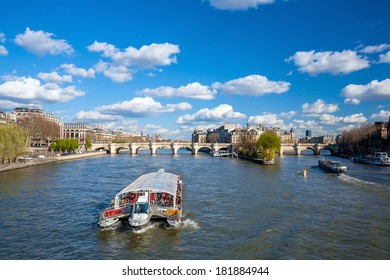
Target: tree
268,143
14,141
88,143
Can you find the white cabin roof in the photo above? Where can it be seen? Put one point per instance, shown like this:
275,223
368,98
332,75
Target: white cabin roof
155,181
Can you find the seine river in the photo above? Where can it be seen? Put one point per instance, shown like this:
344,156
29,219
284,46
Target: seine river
234,209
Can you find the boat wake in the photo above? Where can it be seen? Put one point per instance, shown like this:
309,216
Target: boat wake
190,224
150,226
354,181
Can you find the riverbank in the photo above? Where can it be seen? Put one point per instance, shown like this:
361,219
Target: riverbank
39,161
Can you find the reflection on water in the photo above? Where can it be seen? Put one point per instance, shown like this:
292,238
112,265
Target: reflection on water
233,210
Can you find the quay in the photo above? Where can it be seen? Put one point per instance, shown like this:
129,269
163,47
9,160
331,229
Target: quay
46,160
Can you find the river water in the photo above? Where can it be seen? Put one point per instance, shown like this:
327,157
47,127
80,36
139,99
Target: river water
234,209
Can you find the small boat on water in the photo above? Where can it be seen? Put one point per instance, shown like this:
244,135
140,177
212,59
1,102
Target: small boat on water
153,195
378,158
220,153
332,166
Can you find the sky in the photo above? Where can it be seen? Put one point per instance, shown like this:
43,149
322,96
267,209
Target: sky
172,66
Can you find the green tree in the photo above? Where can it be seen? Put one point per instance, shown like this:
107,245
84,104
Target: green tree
88,143
14,141
269,144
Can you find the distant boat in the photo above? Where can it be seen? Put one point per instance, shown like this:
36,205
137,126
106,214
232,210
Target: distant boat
332,166
378,158
153,195
220,153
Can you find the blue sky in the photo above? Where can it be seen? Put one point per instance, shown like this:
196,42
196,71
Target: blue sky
170,66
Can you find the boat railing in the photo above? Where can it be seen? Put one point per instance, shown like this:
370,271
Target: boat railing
113,212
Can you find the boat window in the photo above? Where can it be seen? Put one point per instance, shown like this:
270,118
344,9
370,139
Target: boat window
141,208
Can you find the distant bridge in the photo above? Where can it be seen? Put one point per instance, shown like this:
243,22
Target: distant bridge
297,148
154,146
174,146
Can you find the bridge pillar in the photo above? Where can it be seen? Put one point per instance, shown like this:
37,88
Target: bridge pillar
195,149
174,147
153,148
297,149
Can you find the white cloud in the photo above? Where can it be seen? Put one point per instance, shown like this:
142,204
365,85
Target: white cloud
193,90
117,73
80,72
141,107
375,49
267,119
124,63
29,90
336,63
384,58
223,112
374,90
238,4
319,107
3,51
355,118
106,49
254,85
10,105
93,116
288,115
40,42
148,56
54,77
328,119
382,115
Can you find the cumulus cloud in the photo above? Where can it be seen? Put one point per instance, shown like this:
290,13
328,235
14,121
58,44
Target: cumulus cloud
41,43
10,105
141,107
93,116
3,51
288,115
123,64
193,90
375,49
223,112
335,63
80,72
28,90
382,115
54,77
254,85
319,107
238,4
267,119
117,73
384,58
374,90
355,118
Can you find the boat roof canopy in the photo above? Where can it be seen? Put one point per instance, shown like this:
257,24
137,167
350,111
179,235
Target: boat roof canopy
155,181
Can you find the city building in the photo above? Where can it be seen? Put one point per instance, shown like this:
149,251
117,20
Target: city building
199,136
80,131
44,127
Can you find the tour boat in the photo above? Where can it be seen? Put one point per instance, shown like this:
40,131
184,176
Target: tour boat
153,195
378,158
332,166
220,153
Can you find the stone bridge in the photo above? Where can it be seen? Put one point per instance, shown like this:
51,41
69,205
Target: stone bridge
175,146
154,146
297,148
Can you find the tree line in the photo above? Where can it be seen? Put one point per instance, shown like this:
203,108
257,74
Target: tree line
14,142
